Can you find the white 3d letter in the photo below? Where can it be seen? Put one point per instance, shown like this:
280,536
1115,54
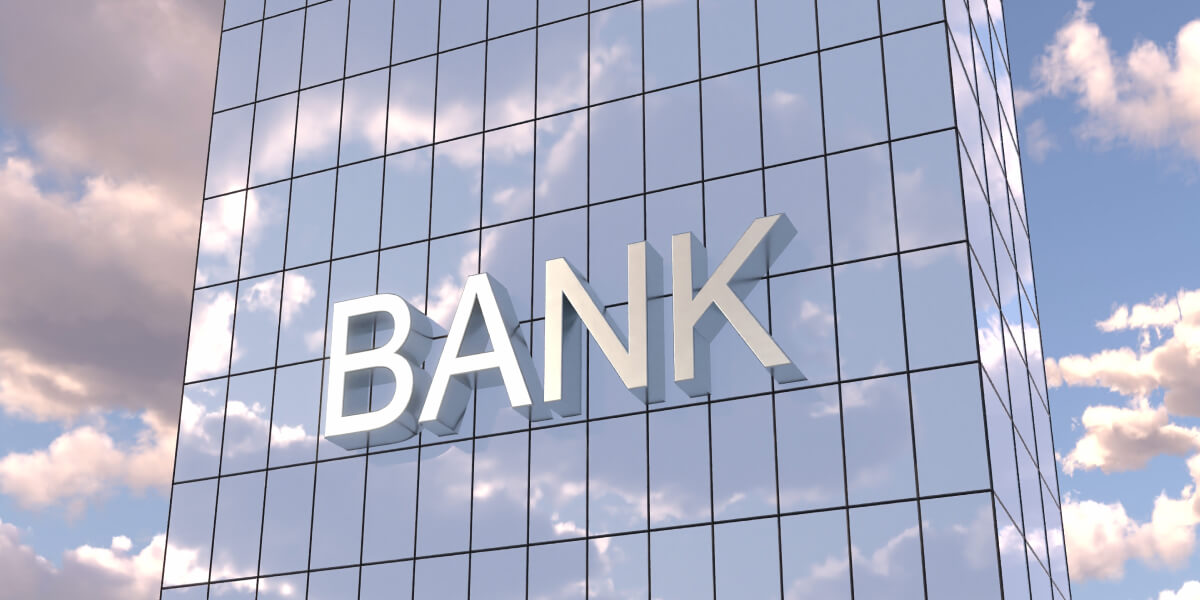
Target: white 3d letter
483,299
395,419
570,301
698,318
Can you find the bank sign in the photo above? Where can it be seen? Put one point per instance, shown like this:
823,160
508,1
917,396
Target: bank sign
484,346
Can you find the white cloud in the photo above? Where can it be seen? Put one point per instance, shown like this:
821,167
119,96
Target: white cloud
1102,537
86,464
1146,97
96,573
1172,365
1125,439
1188,591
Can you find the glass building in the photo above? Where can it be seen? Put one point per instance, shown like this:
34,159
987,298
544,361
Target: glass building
400,146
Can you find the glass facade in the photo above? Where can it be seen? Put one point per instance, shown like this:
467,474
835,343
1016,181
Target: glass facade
400,146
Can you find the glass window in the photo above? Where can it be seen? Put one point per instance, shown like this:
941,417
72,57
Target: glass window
816,560
282,588
294,414
562,235
211,332
364,117
885,541
960,547
506,16
561,571
257,323
189,533
239,518
557,484
460,92
337,513
798,190
615,151
333,585
727,36
220,239
617,475
681,563
390,507
196,592
240,13
747,559
200,427
870,333
937,306
810,449
616,53
560,9
510,75
852,79
264,229
860,203
279,64
672,136
381,582
406,195
928,194
948,414
562,66
785,28
902,14
508,174
844,21
1013,567
500,488
451,261
410,105
359,199
507,256
442,578
669,36
743,458
618,567
275,7
234,590
237,76
415,29
791,110
919,98
317,128
247,415
302,332
310,222
879,450
229,151
680,490
499,574
324,42
561,164
731,127
370,40
274,137
444,517
457,181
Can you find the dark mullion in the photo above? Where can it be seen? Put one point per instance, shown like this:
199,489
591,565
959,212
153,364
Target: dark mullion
282,289
329,295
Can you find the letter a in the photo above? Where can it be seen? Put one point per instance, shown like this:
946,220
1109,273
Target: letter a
484,316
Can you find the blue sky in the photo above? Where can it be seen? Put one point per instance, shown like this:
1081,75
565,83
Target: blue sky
99,192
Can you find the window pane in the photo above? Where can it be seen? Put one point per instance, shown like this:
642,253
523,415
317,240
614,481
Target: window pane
928,194
337,513
391,506
845,21
679,466
887,538
870,335
743,458
681,561
500,488
937,307
731,128
810,449
860,203
617,567
239,517
791,110
617,484
785,28
499,574
670,35
919,91
879,459
948,413
960,547
189,533
444,517
853,87
727,31
672,136
560,571
816,560
288,514
237,76
247,413
616,53
748,559
324,42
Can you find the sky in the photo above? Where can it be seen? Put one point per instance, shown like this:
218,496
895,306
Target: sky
103,124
